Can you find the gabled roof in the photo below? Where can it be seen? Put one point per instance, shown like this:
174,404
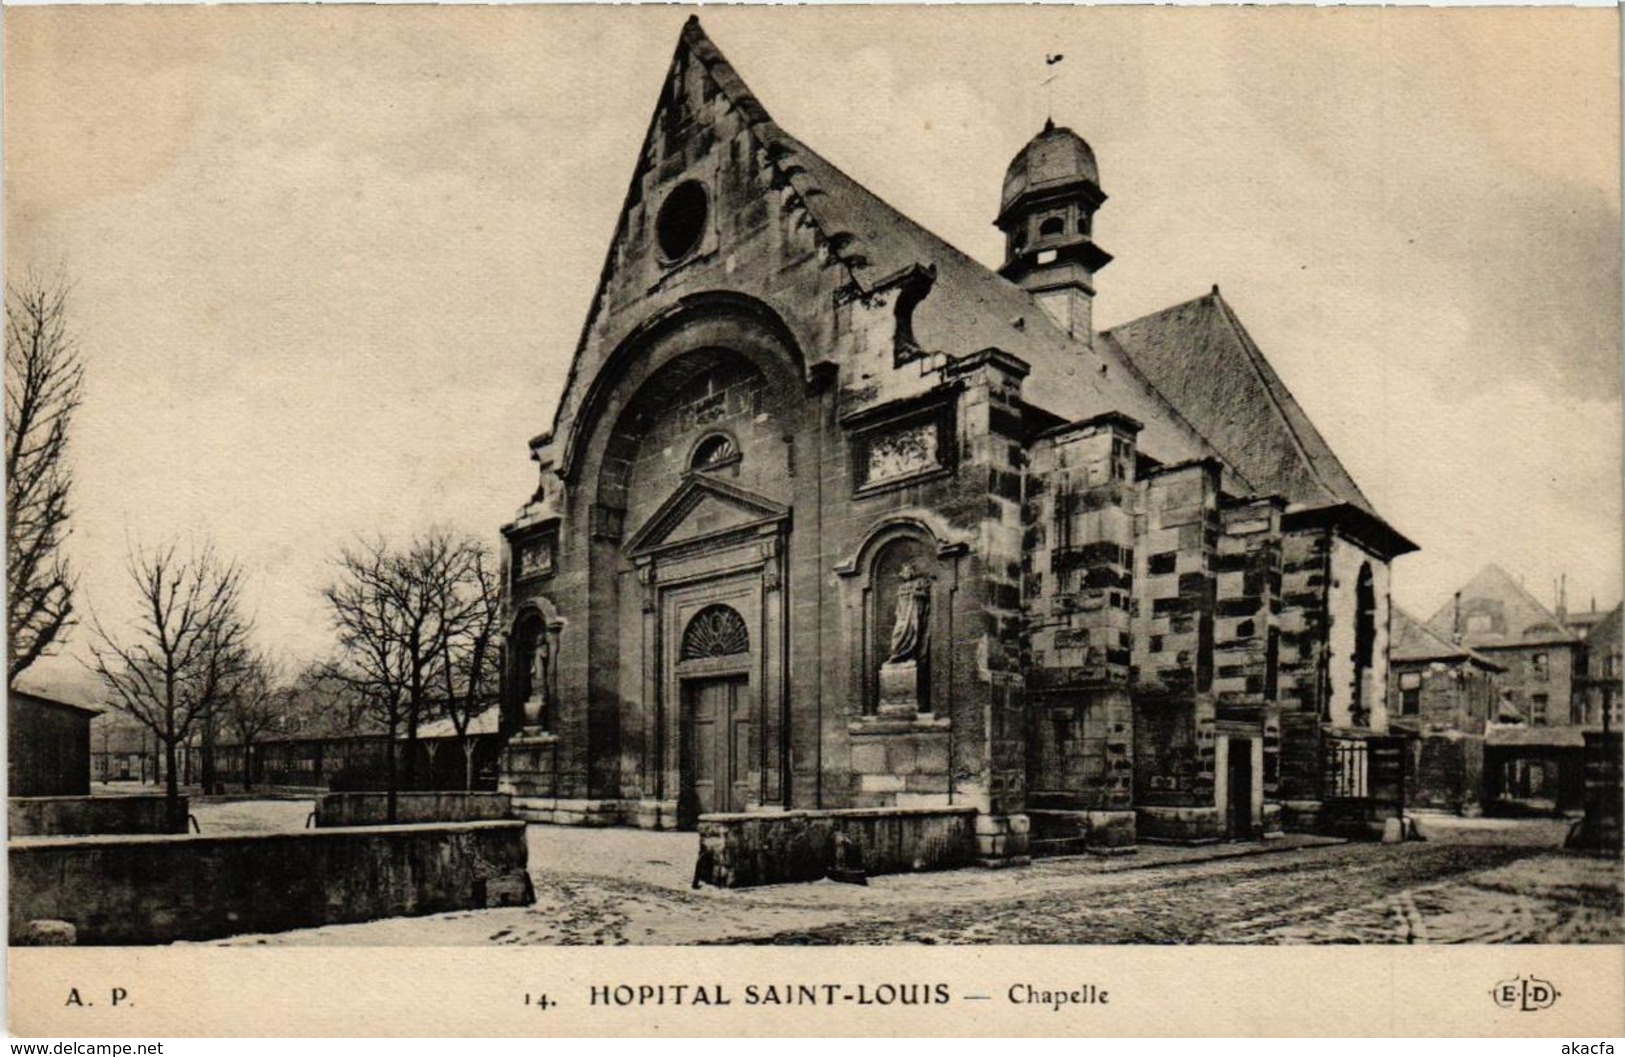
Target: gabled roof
1517,617
1201,358
970,306
41,701
1191,372
1414,641
1604,634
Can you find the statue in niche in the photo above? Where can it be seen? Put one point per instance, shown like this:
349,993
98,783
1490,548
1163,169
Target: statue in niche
536,678
902,684
911,629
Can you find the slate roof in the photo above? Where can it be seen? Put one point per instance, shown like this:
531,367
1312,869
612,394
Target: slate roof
1191,373
1414,641
1525,620
1202,359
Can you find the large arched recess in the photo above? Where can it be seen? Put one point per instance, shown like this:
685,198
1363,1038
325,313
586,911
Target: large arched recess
656,359
738,322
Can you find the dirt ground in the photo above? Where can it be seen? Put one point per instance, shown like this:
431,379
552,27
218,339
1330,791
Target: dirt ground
1470,881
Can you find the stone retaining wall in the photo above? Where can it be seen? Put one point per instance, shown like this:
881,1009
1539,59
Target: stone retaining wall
147,889
1058,832
778,847
372,809
53,816
1180,824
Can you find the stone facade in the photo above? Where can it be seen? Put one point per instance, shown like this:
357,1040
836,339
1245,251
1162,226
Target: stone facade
832,518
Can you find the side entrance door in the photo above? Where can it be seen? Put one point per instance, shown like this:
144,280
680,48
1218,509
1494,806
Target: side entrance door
1239,789
715,746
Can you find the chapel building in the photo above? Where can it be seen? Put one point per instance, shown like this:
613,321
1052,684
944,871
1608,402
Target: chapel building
833,517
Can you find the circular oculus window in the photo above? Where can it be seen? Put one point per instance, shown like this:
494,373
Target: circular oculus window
681,220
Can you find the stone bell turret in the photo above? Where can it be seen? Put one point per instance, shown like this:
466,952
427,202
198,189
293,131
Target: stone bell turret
1051,192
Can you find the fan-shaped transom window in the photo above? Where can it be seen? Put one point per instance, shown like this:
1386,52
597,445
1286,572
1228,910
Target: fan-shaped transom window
714,451
715,631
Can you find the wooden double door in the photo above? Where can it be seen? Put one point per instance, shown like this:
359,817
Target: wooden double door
714,746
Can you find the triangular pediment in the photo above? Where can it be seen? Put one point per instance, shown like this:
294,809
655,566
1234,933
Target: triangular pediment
704,507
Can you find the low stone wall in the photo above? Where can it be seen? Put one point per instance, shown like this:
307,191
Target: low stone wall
145,889
1185,825
1300,816
1069,832
1356,819
563,811
372,809
64,816
779,847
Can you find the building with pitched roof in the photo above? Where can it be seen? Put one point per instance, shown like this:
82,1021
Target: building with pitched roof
833,518
1494,615
47,745
1436,684
1443,695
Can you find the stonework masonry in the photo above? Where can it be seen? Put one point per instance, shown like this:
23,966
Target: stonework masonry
831,518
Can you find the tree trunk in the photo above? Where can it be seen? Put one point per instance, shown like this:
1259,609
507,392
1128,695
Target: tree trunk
206,769
248,765
393,778
173,808
468,764
412,752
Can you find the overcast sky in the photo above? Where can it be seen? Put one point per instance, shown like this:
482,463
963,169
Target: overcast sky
331,263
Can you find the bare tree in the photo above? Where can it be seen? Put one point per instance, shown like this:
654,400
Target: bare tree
169,667
322,701
394,611
254,703
44,382
469,669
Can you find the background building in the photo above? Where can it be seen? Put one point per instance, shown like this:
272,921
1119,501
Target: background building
47,746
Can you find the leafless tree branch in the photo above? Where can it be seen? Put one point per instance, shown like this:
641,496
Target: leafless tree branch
44,387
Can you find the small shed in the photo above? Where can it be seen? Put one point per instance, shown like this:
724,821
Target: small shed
47,746
1533,770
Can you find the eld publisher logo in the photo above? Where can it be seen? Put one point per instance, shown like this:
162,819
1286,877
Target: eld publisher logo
1525,994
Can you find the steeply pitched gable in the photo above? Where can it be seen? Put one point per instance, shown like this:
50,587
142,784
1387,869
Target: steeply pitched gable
1200,358
1416,642
1495,610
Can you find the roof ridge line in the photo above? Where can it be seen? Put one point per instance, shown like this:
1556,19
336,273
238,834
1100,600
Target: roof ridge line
1528,597
1176,306
1270,379
694,38
733,87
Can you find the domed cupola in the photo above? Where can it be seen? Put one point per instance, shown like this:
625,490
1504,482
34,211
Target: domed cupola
1051,192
